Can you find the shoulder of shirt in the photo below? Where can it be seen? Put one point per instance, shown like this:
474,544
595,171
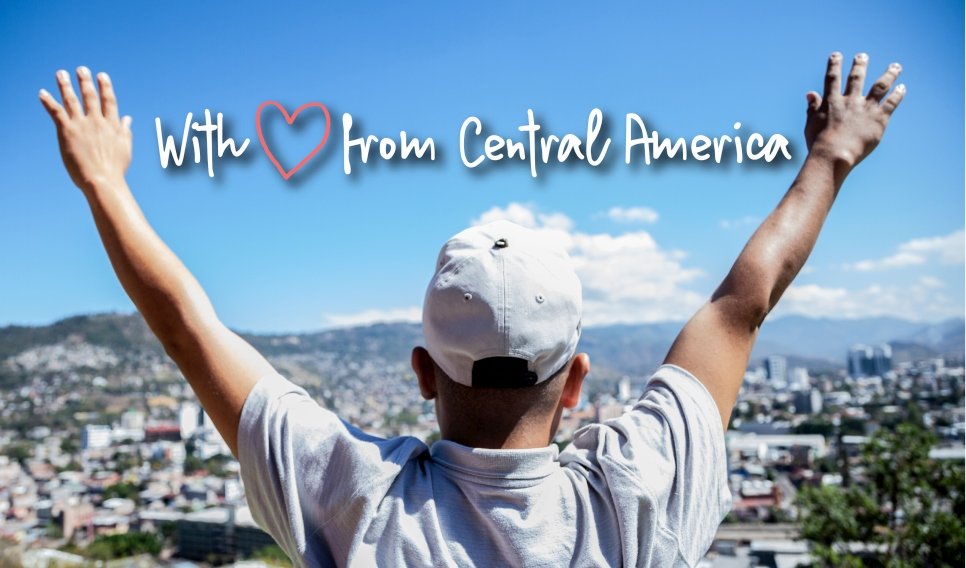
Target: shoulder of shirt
275,382
692,396
675,377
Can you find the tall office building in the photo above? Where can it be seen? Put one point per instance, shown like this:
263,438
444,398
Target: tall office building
882,359
866,361
808,402
776,367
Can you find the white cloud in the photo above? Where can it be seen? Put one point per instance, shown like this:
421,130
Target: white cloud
626,278
920,301
525,214
630,278
630,215
815,298
739,222
946,249
366,317
898,260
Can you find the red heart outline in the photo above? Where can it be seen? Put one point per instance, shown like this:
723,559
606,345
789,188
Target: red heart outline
290,119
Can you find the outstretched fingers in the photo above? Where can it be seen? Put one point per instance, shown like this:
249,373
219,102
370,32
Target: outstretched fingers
833,76
56,111
895,97
98,100
71,104
92,104
857,76
884,83
108,100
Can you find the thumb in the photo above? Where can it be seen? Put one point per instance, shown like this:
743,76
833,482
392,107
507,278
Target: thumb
814,101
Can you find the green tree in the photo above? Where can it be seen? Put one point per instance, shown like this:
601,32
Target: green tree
18,452
273,555
832,519
123,545
816,426
124,461
124,490
72,465
217,465
850,426
907,508
69,445
193,464
169,532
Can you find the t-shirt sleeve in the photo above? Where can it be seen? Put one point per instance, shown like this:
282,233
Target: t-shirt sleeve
662,467
310,478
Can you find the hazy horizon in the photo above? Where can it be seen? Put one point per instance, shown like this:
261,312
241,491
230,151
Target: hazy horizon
416,322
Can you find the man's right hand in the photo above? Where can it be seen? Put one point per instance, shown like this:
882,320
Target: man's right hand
95,142
847,127
840,131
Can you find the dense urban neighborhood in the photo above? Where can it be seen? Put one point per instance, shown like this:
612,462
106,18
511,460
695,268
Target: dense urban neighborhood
107,457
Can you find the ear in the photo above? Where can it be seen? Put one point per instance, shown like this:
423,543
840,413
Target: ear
425,371
579,367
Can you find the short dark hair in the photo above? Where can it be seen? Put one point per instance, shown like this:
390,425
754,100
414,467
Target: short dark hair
492,405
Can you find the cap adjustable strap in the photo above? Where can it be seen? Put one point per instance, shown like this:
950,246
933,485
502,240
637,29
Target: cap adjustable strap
502,372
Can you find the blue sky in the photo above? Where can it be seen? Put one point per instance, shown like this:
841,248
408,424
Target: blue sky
327,249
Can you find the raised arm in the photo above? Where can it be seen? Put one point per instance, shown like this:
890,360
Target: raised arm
840,130
96,147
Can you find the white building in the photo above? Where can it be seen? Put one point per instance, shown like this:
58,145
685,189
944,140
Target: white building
800,379
624,389
188,419
119,435
769,448
777,368
132,420
95,436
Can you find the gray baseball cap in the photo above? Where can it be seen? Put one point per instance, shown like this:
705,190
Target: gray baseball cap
503,308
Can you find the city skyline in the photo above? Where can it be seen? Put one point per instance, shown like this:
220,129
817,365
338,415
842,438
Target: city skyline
139,465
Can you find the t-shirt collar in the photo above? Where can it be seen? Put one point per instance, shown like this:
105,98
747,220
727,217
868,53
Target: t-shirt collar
496,466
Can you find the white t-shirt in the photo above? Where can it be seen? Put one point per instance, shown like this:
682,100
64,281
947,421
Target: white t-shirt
648,488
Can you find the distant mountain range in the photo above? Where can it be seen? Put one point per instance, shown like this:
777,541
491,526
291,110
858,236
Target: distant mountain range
819,343
829,339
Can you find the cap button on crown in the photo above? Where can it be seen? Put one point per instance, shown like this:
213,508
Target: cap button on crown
500,243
